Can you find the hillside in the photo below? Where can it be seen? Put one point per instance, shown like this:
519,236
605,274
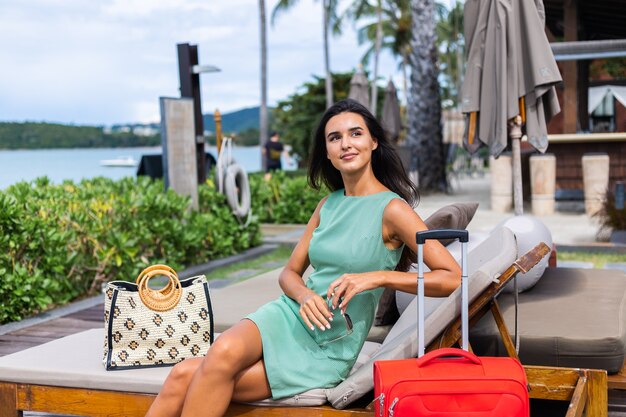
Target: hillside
236,121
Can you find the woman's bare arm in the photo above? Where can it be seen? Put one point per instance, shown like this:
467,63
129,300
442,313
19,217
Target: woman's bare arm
313,308
400,223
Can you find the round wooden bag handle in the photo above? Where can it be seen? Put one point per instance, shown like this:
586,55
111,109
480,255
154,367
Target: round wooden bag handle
165,298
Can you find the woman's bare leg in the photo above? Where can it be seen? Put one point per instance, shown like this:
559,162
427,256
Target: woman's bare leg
171,397
229,370
213,384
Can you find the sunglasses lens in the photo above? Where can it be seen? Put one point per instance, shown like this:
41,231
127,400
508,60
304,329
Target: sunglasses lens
348,321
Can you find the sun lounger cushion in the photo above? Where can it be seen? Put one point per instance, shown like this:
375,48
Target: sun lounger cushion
75,361
572,317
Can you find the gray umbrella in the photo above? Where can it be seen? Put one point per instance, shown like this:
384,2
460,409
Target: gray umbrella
510,71
391,119
359,87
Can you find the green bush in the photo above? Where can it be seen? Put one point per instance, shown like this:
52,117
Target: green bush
284,198
61,242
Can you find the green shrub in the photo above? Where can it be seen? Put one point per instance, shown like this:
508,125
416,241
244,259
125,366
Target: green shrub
284,198
60,242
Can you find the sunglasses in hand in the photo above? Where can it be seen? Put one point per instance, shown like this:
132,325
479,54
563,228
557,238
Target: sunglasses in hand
344,333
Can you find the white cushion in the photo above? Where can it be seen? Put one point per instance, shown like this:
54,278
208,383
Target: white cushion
529,231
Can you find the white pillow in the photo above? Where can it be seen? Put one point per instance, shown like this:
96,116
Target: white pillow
529,231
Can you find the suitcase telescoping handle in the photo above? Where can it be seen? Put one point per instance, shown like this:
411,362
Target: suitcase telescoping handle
421,238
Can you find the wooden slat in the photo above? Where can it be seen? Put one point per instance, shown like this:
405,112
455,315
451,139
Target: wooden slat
82,402
550,383
98,403
504,331
577,405
598,392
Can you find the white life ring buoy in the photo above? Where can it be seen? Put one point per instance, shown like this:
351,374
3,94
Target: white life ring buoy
237,190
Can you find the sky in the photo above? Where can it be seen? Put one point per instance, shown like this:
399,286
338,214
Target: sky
105,62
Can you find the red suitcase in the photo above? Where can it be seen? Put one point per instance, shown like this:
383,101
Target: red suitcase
449,382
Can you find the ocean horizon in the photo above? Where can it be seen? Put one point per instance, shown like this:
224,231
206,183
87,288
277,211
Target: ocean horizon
77,164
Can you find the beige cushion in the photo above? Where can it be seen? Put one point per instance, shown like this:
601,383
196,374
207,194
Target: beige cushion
76,361
453,216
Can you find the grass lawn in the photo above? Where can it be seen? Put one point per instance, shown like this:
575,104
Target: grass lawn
598,259
250,268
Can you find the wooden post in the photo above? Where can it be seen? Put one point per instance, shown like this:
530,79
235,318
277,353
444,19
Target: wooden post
8,400
179,147
597,393
218,130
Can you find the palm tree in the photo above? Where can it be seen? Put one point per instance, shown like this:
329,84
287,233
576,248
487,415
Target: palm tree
424,104
329,13
263,117
358,10
451,45
391,31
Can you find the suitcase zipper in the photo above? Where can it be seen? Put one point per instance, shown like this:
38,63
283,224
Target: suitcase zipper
392,406
381,403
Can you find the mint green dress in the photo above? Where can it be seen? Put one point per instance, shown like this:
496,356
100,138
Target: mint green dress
347,240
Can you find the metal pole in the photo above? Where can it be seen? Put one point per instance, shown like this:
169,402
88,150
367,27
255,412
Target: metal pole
515,134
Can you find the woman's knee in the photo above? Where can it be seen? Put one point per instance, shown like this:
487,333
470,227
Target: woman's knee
225,355
180,376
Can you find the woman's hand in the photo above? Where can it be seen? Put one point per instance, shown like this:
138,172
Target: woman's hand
314,311
348,285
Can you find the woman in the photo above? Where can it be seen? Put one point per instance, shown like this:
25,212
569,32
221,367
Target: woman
311,336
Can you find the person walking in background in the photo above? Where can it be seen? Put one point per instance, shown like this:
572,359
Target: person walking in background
273,151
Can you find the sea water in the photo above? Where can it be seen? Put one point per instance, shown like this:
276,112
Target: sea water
78,164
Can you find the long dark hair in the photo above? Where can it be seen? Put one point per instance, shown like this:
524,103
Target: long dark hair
386,163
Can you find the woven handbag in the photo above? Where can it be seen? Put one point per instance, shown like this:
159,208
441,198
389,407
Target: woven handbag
146,327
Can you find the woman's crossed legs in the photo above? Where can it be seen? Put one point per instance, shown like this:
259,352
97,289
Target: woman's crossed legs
232,369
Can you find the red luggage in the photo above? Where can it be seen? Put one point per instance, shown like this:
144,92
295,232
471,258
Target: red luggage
449,382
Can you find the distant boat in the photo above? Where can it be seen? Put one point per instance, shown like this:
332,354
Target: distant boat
120,161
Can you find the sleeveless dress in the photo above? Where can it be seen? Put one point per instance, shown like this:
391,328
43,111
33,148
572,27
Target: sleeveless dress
347,240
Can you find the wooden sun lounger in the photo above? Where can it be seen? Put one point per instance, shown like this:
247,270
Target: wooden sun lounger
584,389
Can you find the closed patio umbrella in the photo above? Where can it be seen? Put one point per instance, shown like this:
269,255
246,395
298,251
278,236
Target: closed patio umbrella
391,119
510,72
359,87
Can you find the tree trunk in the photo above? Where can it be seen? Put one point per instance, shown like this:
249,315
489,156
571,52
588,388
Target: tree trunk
263,116
405,64
424,104
329,79
377,46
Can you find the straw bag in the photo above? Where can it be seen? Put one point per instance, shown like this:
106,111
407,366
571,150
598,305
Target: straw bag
146,328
